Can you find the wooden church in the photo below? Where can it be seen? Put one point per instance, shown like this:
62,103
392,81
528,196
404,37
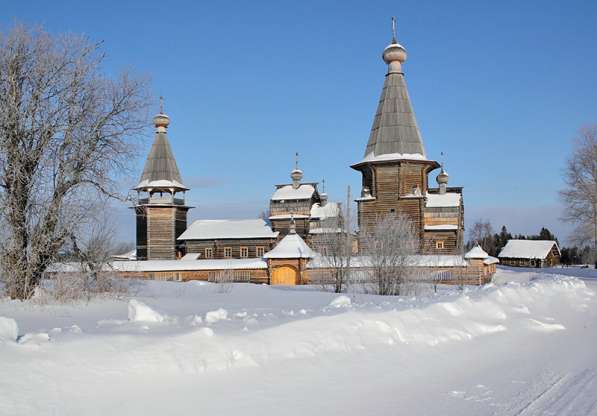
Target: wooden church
284,249
395,170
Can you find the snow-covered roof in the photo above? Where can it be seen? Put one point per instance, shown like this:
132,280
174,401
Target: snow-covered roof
418,260
325,230
476,253
228,229
329,210
162,183
129,255
527,249
291,247
191,256
440,227
372,157
304,191
288,216
449,199
169,265
491,260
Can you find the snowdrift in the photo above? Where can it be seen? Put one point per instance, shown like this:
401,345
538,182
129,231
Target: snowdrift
353,327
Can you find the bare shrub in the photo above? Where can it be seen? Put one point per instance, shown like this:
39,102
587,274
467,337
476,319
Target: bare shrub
390,247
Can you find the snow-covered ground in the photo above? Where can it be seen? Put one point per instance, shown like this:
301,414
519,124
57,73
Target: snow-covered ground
525,345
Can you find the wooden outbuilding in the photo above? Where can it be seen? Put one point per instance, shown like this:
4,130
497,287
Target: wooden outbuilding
530,253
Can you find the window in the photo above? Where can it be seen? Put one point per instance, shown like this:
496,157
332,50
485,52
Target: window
209,253
439,245
244,252
259,251
392,210
227,252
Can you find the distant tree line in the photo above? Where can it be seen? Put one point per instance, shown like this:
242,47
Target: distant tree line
482,232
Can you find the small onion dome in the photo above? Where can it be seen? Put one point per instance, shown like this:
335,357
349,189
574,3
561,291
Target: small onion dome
394,52
161,120
442,177
296,175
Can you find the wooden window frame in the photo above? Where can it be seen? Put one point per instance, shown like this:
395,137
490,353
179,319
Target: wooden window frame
209,253
226,251
440,244
259,251
246,249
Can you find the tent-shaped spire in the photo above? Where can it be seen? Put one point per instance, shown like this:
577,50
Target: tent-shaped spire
160,169
394,134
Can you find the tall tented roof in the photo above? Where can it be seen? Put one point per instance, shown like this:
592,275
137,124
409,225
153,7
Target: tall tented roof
527,249
394,134
160,169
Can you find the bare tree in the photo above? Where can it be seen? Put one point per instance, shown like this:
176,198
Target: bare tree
334,243
580,194
481,233
391,246
65,134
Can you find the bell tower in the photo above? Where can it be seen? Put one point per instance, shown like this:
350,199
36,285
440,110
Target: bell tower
394,168
160,207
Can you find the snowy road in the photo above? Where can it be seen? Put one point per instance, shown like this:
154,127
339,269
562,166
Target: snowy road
511,349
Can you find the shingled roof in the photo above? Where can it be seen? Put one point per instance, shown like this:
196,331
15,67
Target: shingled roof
394,134
160,169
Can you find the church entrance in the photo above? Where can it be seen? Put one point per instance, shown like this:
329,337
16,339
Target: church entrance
284,275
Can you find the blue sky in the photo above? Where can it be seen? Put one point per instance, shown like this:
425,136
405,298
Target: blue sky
500,87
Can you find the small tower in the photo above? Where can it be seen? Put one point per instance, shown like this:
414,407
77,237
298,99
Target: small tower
160,208
442,180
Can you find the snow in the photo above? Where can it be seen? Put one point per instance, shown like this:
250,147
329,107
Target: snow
288,217
441,227
419,260
292,246
9,330
304,191
476,253
329,210
449,199
523,345
172,265
129,255
212,317
227,229
371,157
340,302
162,183
140,312
527,249
191,256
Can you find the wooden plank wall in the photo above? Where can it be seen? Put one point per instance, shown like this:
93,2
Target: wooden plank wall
217,246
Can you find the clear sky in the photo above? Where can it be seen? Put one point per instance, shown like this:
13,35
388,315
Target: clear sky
500,87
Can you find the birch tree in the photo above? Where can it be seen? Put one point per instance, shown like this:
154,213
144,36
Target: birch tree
66,132
391,245
580,194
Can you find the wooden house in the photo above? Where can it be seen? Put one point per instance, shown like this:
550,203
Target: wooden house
395,171
530,253
229,239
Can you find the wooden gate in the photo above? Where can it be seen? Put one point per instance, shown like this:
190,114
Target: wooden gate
284,275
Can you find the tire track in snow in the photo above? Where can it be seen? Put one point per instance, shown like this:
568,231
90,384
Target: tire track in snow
569,395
